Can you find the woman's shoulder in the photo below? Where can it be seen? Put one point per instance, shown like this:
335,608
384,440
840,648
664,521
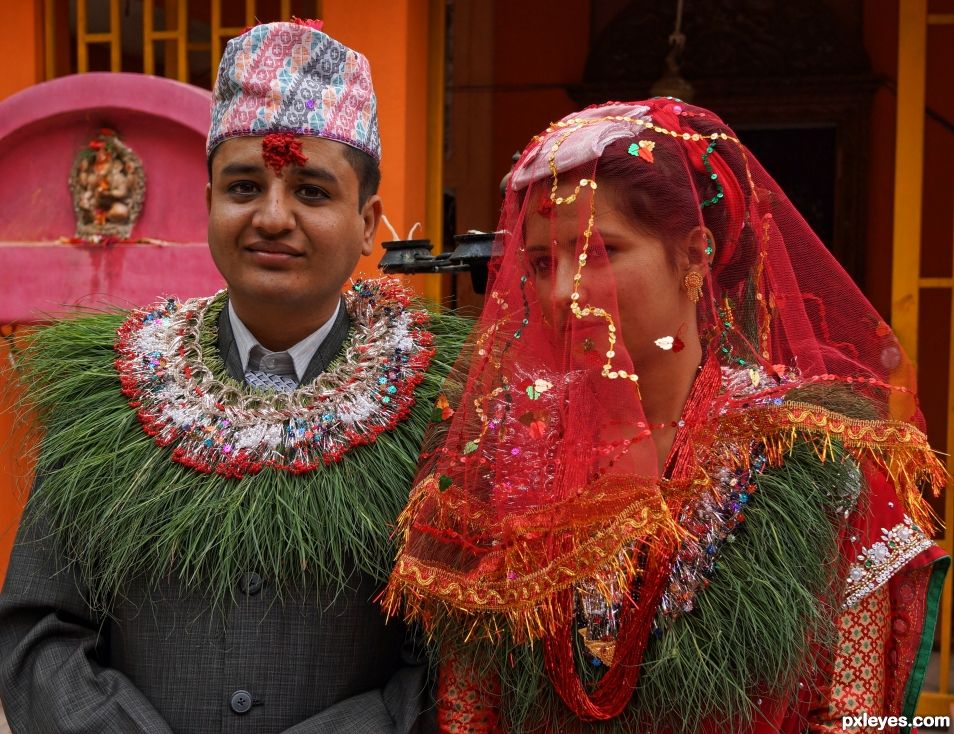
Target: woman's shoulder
874,471
882,538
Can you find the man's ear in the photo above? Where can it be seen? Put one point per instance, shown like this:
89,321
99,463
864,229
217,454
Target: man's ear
208,197
371,215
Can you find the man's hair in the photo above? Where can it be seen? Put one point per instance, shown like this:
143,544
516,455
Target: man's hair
367,169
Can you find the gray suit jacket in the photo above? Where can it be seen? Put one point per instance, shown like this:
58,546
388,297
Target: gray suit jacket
163,661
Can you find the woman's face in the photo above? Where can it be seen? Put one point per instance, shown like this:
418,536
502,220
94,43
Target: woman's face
628,272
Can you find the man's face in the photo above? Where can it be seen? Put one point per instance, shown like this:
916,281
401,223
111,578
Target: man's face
292,240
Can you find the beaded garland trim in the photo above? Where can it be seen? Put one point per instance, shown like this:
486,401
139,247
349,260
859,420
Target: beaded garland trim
877,564
219,425
720,513
714,521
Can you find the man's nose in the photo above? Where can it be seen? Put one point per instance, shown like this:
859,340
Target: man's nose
275,215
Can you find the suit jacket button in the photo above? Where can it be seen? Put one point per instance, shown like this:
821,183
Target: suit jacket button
241,702
251,583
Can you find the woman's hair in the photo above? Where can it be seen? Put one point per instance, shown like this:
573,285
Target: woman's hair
664,198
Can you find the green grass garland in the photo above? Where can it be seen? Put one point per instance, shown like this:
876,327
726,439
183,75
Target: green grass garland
774,590
123,509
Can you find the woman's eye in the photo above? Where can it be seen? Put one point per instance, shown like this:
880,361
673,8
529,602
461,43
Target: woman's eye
243,188
541,264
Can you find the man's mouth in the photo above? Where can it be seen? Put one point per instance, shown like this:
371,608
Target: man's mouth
273,251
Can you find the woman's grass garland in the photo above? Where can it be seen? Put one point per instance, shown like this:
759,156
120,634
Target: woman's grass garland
750,636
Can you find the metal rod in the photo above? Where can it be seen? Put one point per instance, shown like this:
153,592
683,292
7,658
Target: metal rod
116,31
82,52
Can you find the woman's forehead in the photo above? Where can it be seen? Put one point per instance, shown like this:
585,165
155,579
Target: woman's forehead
548,215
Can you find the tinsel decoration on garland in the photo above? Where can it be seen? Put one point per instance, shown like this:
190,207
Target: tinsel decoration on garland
122,507
749,638
220,425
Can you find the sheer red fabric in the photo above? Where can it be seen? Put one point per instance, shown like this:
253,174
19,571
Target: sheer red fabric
652,291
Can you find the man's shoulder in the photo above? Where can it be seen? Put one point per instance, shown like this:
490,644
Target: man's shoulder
100,319
82,345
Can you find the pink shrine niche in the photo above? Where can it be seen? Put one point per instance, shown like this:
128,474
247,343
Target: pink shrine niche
72,234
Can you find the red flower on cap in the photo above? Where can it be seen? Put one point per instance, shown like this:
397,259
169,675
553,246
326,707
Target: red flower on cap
313,24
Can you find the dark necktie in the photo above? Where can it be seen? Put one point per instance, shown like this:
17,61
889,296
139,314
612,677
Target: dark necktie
273,372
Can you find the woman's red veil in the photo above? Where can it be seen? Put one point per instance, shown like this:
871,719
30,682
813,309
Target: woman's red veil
542,473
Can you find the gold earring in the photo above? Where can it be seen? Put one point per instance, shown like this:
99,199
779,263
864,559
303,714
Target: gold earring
693,285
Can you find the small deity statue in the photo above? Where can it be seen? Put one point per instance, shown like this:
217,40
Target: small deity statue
108,187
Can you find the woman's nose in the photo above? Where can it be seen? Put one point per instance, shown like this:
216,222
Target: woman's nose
566,284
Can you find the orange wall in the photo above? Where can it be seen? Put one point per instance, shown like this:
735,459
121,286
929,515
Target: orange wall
393,34
22,46
15,468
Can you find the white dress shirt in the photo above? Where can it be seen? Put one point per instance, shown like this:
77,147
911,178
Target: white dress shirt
301,353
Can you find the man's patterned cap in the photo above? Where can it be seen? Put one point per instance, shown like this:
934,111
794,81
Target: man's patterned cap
293,78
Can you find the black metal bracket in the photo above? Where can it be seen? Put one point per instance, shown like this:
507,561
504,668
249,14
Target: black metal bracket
471,254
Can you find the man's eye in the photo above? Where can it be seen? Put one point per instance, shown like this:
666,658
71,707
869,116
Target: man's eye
243,188
312,192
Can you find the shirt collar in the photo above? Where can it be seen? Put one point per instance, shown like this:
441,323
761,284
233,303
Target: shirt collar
301,353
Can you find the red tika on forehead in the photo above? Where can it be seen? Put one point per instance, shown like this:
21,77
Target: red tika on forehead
280,150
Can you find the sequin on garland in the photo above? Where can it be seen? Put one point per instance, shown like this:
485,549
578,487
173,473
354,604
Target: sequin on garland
218,425
711,522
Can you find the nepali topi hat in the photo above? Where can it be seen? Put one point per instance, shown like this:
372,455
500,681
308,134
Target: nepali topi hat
290,77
